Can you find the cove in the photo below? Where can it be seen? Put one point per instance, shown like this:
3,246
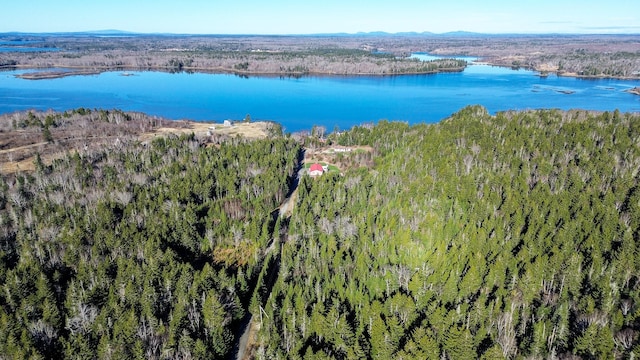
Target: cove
330,101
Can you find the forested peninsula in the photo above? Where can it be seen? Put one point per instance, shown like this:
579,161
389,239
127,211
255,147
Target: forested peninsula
587,56
483,236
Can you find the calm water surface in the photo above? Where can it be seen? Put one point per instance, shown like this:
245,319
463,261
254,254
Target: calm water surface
304,102
23,46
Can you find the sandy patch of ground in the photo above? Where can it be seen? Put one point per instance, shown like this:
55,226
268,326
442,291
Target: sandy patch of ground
15,166
546,67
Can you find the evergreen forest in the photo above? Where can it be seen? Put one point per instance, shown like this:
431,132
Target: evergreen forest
507,236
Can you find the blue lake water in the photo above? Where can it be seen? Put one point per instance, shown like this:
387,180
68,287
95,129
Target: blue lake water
428,57
330,101
5,49
23,46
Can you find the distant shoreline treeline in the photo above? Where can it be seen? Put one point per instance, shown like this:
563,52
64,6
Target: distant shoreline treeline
579,56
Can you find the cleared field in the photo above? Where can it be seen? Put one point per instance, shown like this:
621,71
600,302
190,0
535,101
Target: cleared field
253,130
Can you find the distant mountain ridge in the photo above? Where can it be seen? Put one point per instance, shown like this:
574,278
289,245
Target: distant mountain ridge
460,33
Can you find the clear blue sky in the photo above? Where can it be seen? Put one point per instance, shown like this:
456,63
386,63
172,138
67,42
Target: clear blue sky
326,16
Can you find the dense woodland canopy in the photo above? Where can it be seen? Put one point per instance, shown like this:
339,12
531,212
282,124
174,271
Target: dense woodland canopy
143,251
507,236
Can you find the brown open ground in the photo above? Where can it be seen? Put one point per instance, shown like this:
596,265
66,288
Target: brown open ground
251,130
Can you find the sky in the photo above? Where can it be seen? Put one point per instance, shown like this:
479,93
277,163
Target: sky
325,16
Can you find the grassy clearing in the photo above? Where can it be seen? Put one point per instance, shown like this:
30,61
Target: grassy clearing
253,130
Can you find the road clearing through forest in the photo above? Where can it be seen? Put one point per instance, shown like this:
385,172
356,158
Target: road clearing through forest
247,341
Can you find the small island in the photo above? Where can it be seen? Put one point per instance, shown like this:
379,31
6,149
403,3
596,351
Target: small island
43,75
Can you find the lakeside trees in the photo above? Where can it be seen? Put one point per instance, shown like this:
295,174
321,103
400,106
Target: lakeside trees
175,54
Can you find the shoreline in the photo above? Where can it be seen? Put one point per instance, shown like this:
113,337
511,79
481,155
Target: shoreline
577,56
79,71
544,72
97,70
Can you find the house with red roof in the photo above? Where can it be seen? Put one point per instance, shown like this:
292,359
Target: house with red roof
316,170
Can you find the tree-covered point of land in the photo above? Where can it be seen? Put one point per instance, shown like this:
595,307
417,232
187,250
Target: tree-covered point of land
514,236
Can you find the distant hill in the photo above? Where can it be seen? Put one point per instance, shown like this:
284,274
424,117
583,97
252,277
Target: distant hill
460,33
109,32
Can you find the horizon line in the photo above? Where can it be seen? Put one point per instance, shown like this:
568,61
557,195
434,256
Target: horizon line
359,33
